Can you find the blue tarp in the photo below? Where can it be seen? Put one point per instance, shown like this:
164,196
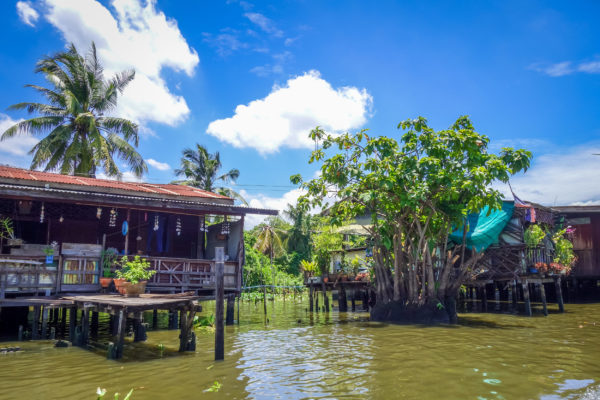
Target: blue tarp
484,230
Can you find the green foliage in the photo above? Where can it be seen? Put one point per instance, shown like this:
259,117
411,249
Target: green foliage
309,267
325,242
533,235
416,189
102,392
80,136
48,250
216,386
202,170
207,321
134,270
109,256
563,249
7,230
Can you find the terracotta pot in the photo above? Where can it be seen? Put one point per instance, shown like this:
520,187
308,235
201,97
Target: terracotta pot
119,284
105,282
134,290
325,279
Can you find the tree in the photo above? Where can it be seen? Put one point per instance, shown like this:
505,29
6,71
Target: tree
418,191
269,242
81,137
201,170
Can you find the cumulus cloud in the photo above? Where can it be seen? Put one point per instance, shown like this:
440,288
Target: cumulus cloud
161,166
17,145
273,203
27,14
563,178
567,68
132,36
285,117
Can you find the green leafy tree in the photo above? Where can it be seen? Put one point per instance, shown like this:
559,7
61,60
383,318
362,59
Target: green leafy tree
417,190
80,136
202,170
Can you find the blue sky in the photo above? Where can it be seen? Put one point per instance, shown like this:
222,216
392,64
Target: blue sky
249,79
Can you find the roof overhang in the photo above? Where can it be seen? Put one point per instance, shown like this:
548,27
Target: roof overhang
591,209
96,198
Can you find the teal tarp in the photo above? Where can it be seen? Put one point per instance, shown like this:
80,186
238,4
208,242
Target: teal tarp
485,229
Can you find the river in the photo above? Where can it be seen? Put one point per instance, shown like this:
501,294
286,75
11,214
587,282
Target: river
295,355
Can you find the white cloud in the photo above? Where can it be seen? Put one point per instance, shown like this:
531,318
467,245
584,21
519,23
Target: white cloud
285,117
161,166
133,36
264,23
225,42
567,68
27,14
567,177
272,203
18,145
276,68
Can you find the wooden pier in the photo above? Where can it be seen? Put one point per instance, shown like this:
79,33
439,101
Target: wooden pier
120,309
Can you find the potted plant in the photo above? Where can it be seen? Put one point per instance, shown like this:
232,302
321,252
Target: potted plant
7,232
108,260
136,275
49,252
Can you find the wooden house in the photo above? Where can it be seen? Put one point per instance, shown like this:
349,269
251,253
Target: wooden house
175,227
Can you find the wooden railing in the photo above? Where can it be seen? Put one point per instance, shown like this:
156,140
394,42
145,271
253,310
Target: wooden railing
182,274
30,275
22,274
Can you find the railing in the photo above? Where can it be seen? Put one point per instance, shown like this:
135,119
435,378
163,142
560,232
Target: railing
182,274
30,274
22,274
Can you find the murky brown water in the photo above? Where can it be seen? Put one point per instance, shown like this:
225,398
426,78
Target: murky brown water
333,356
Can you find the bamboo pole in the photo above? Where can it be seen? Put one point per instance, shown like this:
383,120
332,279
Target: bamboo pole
219,294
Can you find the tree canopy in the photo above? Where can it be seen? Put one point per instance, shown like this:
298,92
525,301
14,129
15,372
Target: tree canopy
417,190
80,135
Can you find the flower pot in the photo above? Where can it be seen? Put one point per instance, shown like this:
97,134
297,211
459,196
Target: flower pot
134,290
119,282
50,259
325,279
105,282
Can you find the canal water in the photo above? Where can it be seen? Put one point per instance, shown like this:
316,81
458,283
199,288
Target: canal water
295,355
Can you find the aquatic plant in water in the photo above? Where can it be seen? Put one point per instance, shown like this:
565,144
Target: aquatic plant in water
102,392
216,386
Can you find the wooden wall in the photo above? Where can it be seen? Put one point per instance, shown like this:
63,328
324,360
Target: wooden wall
586,243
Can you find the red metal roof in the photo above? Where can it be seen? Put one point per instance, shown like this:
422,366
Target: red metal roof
168,190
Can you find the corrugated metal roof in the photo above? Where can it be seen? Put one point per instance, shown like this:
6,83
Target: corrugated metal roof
87,183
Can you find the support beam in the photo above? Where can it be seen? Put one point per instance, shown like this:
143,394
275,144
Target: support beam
94,324
366,300
154,319
526,298
515,294
139,329
325,297
497,306
219,294
85,326
510,297
559,295
484,304
121,319
265,300
35,326
353,300
342,301
44,323
230,309
543,297
310,298
72,323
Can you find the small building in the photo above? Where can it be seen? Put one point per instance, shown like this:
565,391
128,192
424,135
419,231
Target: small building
586,238
175,227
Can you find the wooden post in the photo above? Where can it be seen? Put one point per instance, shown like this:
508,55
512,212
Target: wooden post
342,301
484,304
265,299
120,337
515,294
526,298
238,308
94,324
353,300
154,319
366,300
20,335
316,300
325,297
85,326
543,297
127,235
72,323
497,306
310,298
219,294
183,336
36,323
230,309
474,298
510,297
173,320
139,330
559,296
44,323
52,333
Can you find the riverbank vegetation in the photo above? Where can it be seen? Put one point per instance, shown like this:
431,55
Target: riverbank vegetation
417,191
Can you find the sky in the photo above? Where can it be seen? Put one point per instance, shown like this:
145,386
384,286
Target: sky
250,79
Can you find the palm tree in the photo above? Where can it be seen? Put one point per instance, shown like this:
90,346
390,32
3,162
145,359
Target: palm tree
201,170
80,137
268,242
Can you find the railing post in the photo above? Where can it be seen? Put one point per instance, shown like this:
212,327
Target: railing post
219,307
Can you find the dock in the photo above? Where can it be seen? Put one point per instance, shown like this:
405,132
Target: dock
182,307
